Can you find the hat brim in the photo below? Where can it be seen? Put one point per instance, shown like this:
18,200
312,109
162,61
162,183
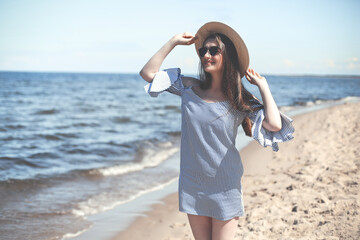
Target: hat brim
218,27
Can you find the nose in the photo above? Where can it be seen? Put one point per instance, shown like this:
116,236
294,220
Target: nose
207,54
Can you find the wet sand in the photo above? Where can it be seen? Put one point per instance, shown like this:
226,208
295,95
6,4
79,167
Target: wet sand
307,190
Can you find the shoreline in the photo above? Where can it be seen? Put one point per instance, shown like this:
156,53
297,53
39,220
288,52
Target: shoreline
282,196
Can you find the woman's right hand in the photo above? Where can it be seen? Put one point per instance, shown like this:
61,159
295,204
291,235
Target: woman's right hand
153,65
185,38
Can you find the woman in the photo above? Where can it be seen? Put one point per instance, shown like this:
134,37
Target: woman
212,109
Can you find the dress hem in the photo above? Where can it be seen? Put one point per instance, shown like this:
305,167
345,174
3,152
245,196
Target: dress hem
208,215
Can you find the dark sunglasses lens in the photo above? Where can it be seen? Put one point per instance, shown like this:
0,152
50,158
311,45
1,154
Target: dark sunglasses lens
213,51
202,51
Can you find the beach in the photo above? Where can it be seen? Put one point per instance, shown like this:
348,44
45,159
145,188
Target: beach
307,190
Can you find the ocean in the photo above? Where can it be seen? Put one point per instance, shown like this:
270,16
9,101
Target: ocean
76,144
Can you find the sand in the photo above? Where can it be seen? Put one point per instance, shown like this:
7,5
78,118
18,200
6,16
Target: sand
307,190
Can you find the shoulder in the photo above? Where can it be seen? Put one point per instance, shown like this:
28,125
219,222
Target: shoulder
190,81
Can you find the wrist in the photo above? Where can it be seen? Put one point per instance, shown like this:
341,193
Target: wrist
263,85
173,42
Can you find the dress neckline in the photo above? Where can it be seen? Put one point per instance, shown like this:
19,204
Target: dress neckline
204,100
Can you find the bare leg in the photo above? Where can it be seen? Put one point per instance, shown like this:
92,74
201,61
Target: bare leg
224,230
200,226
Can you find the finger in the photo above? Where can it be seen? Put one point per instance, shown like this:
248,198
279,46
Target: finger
187,35
192,40
249,73
257,74
248,77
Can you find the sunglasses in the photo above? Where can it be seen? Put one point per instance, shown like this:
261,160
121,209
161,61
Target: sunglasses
212,50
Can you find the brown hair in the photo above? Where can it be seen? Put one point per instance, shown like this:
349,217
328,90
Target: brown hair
231,85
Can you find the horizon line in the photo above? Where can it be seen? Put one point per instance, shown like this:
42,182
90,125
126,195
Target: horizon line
193,74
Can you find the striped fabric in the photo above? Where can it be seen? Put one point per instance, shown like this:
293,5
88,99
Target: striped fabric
266,137
210,165
167,80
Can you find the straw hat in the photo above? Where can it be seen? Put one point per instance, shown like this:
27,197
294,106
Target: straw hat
218,27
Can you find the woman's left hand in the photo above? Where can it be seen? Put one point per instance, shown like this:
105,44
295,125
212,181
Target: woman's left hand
254,78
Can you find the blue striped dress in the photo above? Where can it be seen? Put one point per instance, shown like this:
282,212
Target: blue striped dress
210,165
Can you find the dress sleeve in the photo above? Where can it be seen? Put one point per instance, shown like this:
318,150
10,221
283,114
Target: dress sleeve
166,80
266,137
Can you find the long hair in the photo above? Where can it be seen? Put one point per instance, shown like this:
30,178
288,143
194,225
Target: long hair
231,85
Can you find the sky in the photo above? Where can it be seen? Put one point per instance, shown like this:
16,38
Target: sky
113,36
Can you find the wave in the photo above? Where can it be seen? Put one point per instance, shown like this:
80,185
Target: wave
67,135
88,109
174,133
348,99
57,136
44,155
85,125
141,154
121,119
10,187
172,107
73,235
11,138
319,102
47,112
150,158
18,126
49,137
96,204
14,162
77,151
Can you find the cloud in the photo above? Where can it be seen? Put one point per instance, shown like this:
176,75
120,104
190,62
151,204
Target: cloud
331,63
352,63
288,62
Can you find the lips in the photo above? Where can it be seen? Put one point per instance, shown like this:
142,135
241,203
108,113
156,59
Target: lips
208,63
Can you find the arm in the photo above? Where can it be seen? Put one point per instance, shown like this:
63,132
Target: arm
272,121
153,65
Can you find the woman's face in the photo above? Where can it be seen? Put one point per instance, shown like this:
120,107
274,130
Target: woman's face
212,64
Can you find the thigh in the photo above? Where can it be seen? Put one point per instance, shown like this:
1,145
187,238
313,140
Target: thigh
200,226
224,230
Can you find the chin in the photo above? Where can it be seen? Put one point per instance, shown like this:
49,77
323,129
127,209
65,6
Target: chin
211,69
